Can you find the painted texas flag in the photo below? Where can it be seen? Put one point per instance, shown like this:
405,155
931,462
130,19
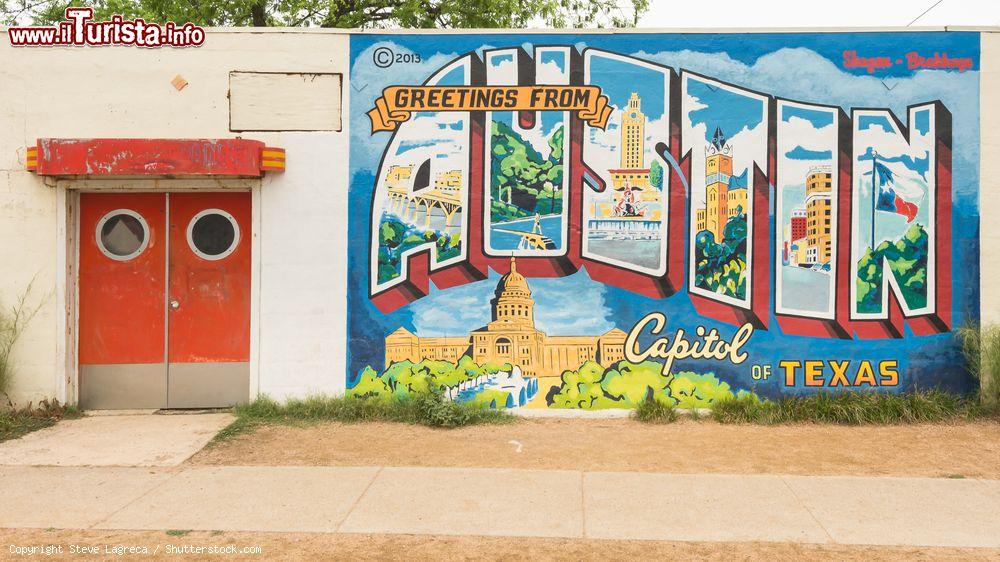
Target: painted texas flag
888,200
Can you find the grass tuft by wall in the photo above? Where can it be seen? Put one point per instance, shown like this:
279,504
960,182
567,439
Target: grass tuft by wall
652,411
430,409
13,320
842,408
16,422
981,348
850,408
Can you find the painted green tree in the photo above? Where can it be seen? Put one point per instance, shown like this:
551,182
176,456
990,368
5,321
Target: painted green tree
907,258
656,175
404,379
524,183
721,267
396,237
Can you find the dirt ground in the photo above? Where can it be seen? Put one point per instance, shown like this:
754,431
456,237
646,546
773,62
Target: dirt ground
303,546
970,450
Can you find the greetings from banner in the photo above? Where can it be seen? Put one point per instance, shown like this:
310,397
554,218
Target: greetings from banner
399,102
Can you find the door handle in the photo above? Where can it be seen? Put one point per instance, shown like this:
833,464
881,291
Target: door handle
174,304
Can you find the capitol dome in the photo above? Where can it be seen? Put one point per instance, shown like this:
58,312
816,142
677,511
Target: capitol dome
513,282
512,305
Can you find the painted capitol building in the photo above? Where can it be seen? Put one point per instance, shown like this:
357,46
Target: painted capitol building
511,337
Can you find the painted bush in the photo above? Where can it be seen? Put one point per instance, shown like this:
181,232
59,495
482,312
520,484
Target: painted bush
496,386
627,384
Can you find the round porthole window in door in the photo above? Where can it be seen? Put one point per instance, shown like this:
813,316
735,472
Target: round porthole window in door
213,234
122,234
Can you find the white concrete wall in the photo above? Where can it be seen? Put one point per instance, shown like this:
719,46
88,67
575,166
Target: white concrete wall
303,235
989,174
989,182
126,92
28,245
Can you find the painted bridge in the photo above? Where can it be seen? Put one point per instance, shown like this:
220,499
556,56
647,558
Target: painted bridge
408,205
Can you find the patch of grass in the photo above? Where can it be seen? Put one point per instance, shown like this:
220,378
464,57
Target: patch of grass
238,427
178,532
12,324
17,422
981,348
695,413
651,411
849,408
430,409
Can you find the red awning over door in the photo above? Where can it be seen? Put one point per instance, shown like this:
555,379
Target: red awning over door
243,158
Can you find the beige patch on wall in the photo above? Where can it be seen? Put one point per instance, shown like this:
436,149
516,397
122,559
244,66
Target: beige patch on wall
284,101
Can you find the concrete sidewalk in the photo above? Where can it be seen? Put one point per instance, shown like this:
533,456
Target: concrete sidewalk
116,439
535,503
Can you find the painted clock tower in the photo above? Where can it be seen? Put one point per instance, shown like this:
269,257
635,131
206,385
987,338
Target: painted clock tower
633,134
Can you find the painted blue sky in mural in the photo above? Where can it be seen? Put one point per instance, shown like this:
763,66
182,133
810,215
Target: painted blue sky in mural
816,118
800,153
554,57
619,80
459,310
731,111
813,121
917,164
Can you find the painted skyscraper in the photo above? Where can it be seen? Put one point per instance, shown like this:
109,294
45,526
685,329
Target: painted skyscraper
819,212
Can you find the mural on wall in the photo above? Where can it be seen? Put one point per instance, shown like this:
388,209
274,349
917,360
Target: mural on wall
592,221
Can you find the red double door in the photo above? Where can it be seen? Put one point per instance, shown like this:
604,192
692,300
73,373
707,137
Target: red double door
164,304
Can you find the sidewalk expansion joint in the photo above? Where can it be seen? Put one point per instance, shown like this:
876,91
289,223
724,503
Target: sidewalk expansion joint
174,473
358,499
809,511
